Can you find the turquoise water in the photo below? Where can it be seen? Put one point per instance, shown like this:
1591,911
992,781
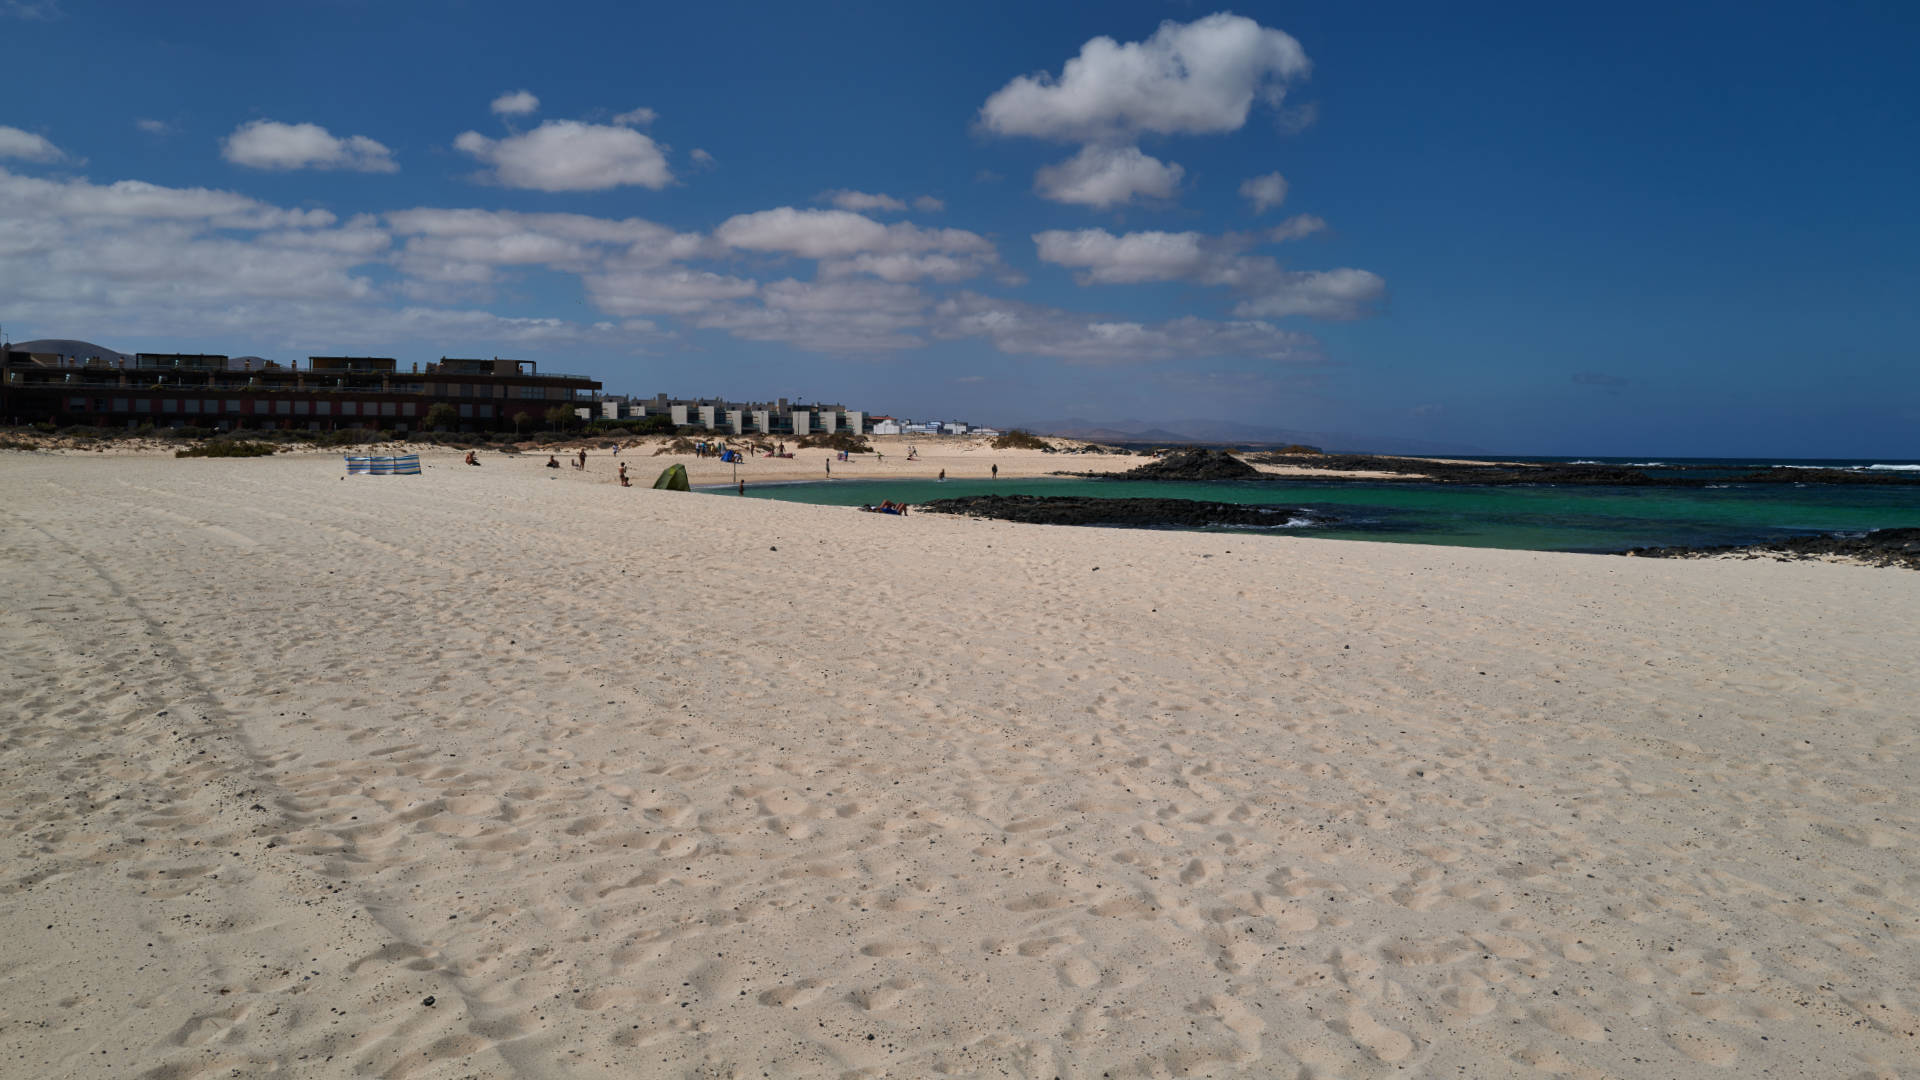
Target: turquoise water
1539,518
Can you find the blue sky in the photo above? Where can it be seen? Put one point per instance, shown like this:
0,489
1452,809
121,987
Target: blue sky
1673,229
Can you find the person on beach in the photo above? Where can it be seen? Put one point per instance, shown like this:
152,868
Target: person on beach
623,475
472,459
743,487
829,468
552,462
943,476
583,458
996,471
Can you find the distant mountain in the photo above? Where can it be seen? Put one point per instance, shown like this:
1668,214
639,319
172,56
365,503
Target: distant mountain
70,347
1223,431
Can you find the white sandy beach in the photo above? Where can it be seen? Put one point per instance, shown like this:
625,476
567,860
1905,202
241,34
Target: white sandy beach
631,783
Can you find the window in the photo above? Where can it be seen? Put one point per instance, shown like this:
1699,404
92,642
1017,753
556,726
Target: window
323,408
387,409
284,408
486,411
349,408
406,408
169,405
143,405
120,404
233,405
193,405
79,403
466,412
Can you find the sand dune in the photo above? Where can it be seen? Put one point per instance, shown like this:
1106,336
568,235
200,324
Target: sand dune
636,783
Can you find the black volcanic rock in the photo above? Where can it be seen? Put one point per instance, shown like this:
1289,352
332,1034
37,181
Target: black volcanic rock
1133,513
1194,463
1882,547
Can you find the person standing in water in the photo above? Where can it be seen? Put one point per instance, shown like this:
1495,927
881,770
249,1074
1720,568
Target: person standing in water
943,476
996,471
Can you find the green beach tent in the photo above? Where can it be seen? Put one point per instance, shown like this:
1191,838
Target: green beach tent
673,478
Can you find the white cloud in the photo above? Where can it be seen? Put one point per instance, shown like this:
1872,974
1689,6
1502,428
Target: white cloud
927,204
832,317
826,234
154,127
639,117
1264,192
702,158
31,10
144,260
27,146
465,247
130,200
1323,294
516,103
1107,259
1033,330
1194,78
1103,176
567,155
902,266
269,144
1265,288
671,292
1295,227
858,201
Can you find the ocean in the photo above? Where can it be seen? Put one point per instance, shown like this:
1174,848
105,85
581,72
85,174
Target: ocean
1541,517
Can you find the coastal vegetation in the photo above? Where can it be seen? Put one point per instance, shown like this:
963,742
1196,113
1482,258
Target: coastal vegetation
845,441
1018,439
223,448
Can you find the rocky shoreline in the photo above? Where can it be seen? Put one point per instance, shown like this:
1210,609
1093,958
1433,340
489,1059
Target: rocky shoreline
1500,474
1882,547
1129,513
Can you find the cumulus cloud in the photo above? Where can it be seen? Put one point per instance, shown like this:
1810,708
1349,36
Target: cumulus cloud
841,316
1187,79
902,266
859,201
1342,294
31,10
702,158
671,292
639,117
1034,330
1295,227
466,247
826,234
1103,176
27,146
1264,192
1266,289
516,103
927,204
567,155
269,144
142,259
